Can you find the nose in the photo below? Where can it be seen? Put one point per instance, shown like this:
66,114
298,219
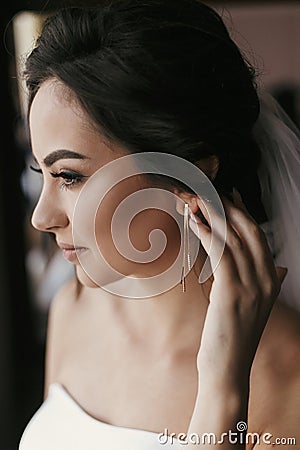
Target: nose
49,214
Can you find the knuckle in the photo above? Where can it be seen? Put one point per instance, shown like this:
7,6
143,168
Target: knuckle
272,288
255,230
235,243
254,298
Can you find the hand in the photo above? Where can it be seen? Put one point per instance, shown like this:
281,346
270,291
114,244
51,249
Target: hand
245,286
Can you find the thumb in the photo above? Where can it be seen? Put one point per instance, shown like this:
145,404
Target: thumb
281,273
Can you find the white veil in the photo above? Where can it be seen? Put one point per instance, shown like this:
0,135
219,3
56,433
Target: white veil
279,175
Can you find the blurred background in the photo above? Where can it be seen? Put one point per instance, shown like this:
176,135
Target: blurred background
31,270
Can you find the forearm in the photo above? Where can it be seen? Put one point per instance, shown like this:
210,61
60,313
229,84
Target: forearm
219,407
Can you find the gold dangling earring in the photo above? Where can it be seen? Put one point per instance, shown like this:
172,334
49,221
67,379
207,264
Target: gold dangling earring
186,246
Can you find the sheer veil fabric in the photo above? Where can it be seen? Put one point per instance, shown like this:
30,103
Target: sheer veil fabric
279,176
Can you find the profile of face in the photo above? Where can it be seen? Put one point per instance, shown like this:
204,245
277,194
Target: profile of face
69,151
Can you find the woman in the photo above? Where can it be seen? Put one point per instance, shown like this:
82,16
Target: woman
132,364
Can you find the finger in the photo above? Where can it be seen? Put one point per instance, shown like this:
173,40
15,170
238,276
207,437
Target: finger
251,235
238,201
214,214
213,232
241,256
202,231
222,263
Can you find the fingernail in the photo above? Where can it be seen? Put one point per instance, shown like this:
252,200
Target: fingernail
195,218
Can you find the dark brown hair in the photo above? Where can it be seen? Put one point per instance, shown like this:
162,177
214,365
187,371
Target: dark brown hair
159,75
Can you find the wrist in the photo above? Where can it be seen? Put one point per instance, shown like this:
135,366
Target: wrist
220,394
220,383
219,408
223,375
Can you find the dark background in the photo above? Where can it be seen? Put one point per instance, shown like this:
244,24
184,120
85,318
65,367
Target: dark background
21,349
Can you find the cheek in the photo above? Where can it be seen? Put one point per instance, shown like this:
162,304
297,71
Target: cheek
103,263
107,238
125,236
133,239
116,227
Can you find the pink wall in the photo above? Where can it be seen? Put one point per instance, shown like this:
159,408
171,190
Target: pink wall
270,32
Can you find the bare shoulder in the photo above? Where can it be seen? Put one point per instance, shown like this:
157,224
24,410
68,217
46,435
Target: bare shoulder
60,308
275,381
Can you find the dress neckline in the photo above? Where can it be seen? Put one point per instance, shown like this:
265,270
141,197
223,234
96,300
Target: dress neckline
59,387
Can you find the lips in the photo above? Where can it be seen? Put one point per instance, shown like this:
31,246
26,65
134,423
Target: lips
71,252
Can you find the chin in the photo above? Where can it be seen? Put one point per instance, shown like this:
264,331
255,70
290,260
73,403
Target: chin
84,279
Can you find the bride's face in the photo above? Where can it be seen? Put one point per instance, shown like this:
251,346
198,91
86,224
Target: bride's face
69,151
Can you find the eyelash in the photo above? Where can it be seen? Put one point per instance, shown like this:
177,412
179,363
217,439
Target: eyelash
71,179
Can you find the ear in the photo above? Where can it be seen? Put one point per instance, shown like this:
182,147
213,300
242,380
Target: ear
210,167
185,197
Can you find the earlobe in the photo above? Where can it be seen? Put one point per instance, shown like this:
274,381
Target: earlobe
185,197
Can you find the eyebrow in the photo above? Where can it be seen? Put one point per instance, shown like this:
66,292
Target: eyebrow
50,159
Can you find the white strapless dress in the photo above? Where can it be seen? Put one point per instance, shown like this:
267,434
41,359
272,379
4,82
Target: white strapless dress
61,424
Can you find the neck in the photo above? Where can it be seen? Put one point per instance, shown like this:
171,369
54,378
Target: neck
172,319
